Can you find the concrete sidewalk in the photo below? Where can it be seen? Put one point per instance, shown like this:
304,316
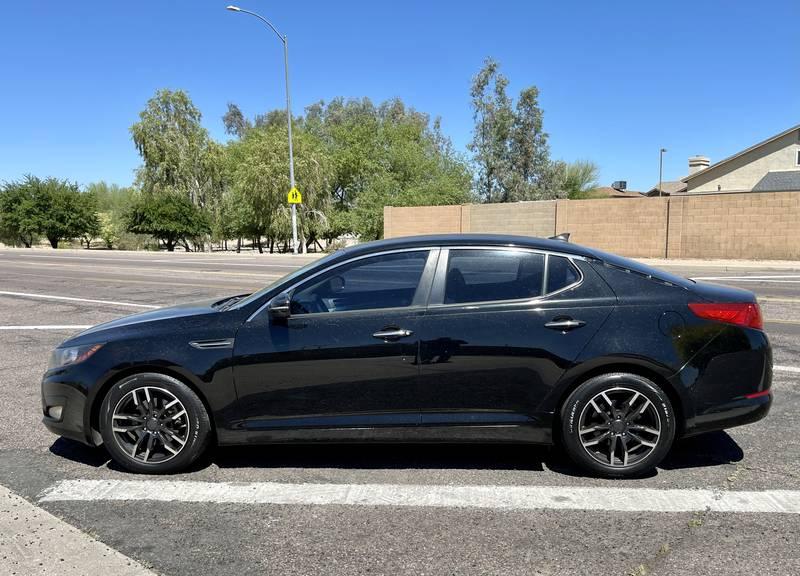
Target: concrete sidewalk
33,541
789,265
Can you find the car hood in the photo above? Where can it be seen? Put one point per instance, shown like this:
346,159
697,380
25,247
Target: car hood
169,313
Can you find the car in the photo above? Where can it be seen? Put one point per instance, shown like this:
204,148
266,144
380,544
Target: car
445,338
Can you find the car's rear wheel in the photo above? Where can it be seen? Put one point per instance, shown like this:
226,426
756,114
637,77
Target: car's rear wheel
153,423
617,425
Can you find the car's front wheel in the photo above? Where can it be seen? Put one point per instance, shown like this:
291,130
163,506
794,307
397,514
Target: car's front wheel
617,425
154,424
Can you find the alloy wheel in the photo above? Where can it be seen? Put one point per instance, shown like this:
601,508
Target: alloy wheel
150,424
619,427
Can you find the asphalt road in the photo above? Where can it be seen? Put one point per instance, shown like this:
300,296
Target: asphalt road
222,538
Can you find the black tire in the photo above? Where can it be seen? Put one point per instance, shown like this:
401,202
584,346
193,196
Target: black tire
170,427
619,444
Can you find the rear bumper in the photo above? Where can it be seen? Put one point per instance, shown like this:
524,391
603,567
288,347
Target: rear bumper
730,414
722,379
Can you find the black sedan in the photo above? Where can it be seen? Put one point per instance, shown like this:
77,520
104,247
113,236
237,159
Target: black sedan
457,338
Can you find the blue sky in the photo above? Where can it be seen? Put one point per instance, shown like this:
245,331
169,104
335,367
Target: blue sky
618,80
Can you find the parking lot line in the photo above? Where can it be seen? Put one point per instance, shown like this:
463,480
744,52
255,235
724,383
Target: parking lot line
793,369
72,299
440,496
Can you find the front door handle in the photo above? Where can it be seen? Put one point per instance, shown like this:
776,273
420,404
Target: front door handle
564,324
392,334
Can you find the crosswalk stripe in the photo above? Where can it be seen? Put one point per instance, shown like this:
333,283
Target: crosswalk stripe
494,497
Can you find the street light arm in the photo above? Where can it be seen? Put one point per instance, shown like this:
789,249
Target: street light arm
264,20
285,42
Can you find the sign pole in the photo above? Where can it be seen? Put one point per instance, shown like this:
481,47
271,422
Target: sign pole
291,152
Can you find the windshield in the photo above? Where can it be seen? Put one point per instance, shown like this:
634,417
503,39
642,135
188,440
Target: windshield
295,274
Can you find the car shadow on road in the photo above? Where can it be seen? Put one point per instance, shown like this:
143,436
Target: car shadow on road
712,449
80,453
384,456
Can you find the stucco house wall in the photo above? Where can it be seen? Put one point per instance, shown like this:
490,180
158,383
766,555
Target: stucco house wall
743,172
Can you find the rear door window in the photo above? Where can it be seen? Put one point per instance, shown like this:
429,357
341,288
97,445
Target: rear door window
491,275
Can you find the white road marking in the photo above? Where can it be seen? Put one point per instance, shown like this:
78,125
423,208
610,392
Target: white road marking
144,270
768,279
157,260
71,299
49,327
494,497
792,369
33,541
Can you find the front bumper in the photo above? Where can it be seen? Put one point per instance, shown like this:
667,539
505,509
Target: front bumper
74,421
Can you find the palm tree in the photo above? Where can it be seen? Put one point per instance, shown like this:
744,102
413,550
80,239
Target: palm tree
580,179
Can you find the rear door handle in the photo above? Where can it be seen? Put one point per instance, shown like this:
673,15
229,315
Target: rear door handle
564,324
392,334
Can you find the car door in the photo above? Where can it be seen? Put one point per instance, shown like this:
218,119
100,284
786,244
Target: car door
347,355
502,326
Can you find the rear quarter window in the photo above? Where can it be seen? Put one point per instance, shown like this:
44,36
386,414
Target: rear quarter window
560,274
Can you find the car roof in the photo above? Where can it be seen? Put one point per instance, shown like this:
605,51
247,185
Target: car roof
470,240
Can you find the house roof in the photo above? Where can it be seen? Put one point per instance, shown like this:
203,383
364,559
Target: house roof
609,192
779,181
668,188
743,152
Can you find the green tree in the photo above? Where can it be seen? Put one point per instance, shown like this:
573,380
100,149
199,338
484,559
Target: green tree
19,213
53,208
64,212
87,219
109,230
257,171
113,205
384,155
179,158
235,122
509,145
170,217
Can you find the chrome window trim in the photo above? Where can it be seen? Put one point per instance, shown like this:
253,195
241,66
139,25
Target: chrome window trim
433,253
444,259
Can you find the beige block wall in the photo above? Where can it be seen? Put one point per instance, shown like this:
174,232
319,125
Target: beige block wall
753,226
625,226
526,218
747,226
415,220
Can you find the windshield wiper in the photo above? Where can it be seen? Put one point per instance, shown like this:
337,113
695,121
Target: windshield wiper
228,302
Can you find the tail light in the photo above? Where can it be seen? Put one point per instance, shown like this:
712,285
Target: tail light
739,313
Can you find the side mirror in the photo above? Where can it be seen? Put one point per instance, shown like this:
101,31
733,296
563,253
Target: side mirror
280,307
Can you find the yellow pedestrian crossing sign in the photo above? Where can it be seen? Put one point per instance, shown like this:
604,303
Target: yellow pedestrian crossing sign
294,196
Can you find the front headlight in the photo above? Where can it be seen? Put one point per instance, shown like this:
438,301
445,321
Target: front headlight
61,357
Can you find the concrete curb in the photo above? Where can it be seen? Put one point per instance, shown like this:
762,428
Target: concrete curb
33,541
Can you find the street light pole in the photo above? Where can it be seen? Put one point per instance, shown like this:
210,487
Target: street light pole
285,42
660,168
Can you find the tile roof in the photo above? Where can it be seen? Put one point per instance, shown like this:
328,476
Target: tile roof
609,192
668,187
779,181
